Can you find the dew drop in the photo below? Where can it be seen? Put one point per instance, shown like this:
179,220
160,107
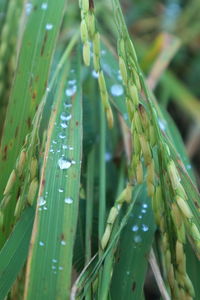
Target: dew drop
64,147
60,190
41,243
71,148
103,52
117,90
63,125
145,228
128,272
71,91
144,205
119,76
135,228
54,142
62,136
54,260
140,217
48,89
108,156
67,105
60,268
143,211
72,82
53,267
125,116
42,201
95,74
44,6
63,163
137,239
49,26
68,200
28,7
44,208
65,117
63,243
162,124
189,167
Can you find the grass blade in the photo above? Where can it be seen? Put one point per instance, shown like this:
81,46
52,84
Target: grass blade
50,258
14,253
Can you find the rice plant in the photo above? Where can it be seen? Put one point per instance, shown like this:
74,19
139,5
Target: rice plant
99,193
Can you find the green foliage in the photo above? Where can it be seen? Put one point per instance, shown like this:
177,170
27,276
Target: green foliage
94,173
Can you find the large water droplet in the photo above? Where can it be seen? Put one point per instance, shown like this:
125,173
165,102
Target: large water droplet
145,227
117,90
42,201
65,117
135,228
63,243
68,200
49,26
28,7
41,243
63,163
44,5
144,205
71,91
95,74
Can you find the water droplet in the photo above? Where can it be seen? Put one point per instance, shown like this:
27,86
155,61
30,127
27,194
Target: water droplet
117,90
135,228
162,124
108,156
140,217
53,267
49,26
189,167
48,89
28,8
71,148
44,208
72,82
63,125
41,243
95,74
54,260
119,76
125,116
58,151
67,105
103,52
60,190
51,150
54,142
64,147
44,5
145,228
128,272
68,200
137,239
63,163
73,162
63,243
42,201
62,135
60,268
144,205
71,91
65,117
143,211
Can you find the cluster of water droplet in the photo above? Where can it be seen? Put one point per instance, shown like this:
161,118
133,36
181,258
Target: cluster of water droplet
138,226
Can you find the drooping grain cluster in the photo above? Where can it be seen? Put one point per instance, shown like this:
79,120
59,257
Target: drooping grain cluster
90,36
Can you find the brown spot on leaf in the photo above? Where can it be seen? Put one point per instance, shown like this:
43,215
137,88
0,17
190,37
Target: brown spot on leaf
5,152
133,286
77,123
34,95
44,43
16,131
91,4
62,237
43,182
28,121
